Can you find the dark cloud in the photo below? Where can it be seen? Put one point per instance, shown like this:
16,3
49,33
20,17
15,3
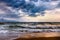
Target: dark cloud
28,7
58,5
14,3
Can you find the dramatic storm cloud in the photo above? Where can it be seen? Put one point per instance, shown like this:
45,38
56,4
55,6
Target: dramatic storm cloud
19,9
31,6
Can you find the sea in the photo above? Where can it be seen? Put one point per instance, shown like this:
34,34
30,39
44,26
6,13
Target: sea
10,31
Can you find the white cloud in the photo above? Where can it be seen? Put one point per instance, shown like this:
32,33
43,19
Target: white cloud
50,16
10,19
21,13
2,12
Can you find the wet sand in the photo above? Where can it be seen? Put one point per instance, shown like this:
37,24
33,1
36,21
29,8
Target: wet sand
40,38
29,36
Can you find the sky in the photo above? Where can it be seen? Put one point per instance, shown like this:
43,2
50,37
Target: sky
29,10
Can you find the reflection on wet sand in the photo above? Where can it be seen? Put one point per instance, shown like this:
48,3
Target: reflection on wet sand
50,34
17,35
35,36
40,38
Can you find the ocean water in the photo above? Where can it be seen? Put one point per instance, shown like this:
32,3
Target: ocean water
12,31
